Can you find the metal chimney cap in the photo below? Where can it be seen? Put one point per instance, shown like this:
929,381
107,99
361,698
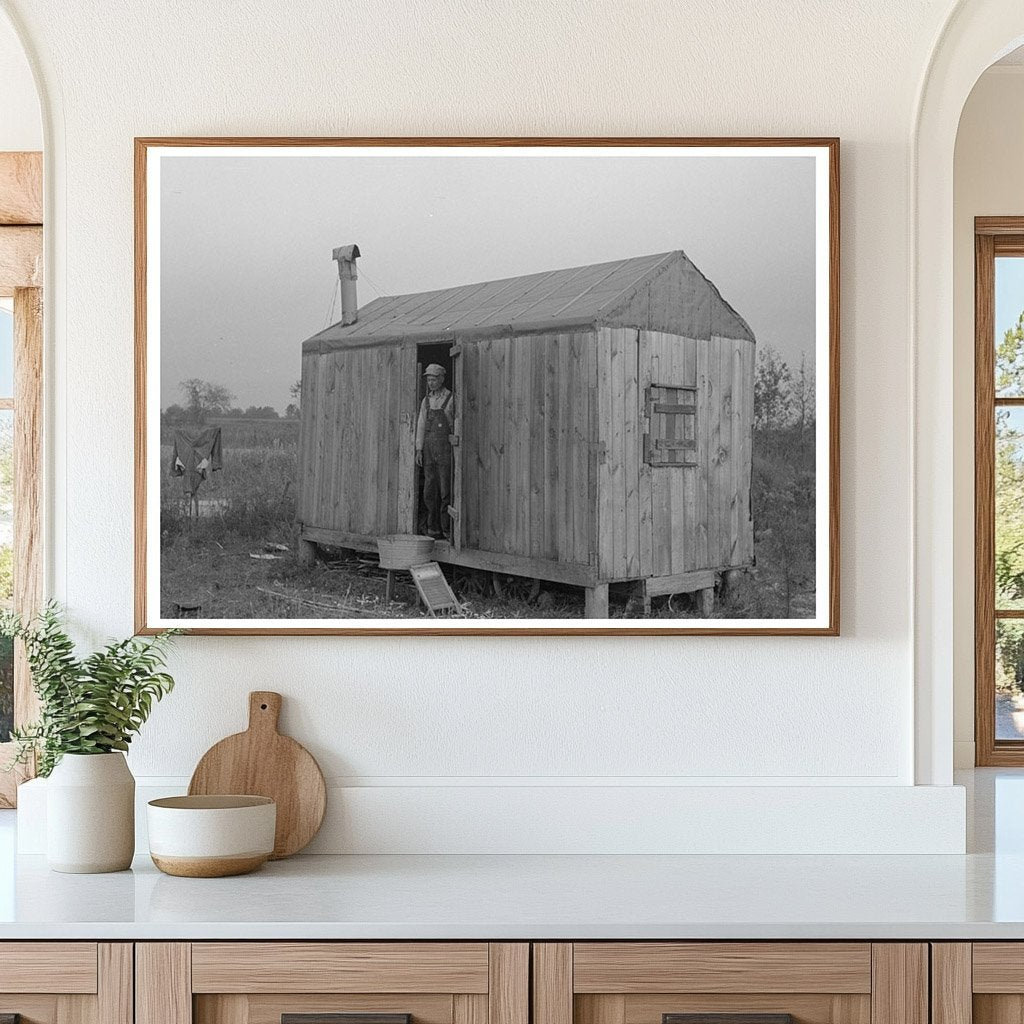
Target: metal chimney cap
346,253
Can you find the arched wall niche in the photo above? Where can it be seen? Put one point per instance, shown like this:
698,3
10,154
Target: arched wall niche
976,34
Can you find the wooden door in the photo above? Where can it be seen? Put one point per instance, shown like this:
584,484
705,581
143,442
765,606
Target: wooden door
730,983
332,983
456,505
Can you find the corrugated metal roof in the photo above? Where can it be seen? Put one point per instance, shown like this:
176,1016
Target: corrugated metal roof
573,295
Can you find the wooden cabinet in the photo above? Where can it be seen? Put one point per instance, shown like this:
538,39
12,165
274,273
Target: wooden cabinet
66,982
264,982
978,983
757,982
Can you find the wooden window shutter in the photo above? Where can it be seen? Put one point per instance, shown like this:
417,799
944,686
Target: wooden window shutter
671,436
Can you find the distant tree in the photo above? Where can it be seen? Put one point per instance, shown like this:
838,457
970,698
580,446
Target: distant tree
292,411
803,397
174,414
1010,361
773,393
261,412
296,391
204,399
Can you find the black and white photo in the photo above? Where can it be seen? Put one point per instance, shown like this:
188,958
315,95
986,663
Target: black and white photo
464,386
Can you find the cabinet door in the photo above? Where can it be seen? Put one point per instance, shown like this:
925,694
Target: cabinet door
980,982
66,982
730,983
332,983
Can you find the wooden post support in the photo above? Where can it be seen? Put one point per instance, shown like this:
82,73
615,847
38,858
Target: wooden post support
307,552
596,601
706,602
389,587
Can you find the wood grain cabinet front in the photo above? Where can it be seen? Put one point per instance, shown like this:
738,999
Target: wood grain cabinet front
730,983
332,983
978,983
66,982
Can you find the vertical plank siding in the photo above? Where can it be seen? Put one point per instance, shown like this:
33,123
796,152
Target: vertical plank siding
673,519
526,435
357,442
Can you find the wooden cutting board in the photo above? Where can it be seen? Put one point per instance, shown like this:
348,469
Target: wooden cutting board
262,762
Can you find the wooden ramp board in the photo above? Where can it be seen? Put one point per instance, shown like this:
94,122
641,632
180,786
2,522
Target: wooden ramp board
262,762
433,588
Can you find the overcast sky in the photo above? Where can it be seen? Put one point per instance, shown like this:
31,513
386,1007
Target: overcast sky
247,274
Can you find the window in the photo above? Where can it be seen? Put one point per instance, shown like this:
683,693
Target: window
21,366
999,491
671,437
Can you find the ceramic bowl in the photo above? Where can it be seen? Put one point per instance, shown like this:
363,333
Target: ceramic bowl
211,836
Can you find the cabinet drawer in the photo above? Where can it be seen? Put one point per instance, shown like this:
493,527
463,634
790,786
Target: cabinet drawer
332,983
340,967
66,982
751,967
65,967
730,983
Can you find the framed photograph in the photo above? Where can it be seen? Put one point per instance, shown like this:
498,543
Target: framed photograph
499,386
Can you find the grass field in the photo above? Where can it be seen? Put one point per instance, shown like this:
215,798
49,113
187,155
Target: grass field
239,561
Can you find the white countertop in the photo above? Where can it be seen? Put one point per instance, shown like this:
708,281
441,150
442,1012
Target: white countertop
977,896
497,897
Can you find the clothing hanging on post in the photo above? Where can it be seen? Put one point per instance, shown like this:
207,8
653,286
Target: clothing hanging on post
195,458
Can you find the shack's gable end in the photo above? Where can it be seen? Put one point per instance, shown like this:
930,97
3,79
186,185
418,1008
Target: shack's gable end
663,292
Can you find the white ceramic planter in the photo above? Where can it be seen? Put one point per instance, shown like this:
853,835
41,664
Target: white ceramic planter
90,814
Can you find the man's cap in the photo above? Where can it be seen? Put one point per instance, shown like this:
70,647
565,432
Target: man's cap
433,370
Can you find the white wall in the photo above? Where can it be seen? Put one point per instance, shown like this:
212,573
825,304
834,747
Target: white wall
434,716
987,181
21,127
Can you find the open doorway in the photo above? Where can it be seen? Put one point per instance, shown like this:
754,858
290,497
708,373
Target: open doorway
427,356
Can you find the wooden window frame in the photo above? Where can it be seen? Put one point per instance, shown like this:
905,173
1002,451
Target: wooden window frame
21,278
689,457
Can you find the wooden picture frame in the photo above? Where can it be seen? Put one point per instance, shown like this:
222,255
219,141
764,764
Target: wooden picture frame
623,585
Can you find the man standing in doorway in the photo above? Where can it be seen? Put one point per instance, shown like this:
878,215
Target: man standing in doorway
434,449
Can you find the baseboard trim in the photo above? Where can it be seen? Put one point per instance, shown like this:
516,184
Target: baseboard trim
718,820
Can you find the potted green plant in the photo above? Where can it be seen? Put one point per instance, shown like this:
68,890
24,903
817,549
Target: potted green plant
90,708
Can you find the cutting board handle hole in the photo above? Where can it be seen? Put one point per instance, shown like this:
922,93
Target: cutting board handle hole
263,707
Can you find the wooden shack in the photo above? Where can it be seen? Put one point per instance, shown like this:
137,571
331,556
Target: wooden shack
603,427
